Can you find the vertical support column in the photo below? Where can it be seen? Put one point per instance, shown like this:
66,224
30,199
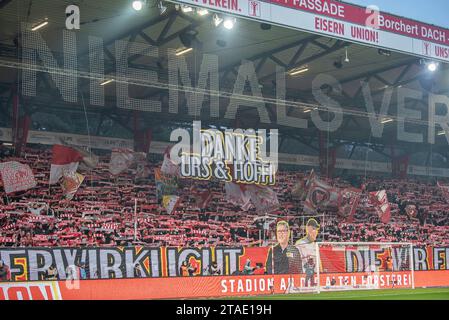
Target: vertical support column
22,134
135,219
15,119
327,156
317,248
400,166
142,137
412,265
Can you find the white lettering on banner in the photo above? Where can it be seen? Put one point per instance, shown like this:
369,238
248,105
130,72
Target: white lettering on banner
247,285
321,7
398,26
433,34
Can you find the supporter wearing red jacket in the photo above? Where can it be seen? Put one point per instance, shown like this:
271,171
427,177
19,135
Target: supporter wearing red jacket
5,274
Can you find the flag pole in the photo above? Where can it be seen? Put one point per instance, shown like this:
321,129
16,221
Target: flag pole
135,219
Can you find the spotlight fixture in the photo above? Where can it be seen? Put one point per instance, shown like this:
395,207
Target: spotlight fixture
346,53
229,23
137,5
40,25
202,12
265,26
441,133
383,52
310,110
182,51
296,71
386,120
186,9
338,64
217,20
162,8
7,144
432,66
106,82
188,38
221,43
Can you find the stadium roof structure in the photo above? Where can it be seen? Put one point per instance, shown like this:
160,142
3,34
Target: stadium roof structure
268,48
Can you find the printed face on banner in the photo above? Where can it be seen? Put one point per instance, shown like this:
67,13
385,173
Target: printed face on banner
282,232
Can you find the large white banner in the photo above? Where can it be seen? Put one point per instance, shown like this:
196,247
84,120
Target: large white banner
342,20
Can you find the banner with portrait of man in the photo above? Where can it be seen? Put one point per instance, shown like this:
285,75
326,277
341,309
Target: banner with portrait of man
283,258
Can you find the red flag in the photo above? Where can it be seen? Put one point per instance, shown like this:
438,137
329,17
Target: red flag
70,183
202,199
64,159
348,201
16,176
380,202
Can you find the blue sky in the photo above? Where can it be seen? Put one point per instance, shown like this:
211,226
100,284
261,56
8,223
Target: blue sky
431,11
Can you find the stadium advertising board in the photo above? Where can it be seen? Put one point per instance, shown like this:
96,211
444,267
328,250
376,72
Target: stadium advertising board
195,287
142,262
342,20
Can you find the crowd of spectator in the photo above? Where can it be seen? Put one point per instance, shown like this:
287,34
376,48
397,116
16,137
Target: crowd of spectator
102,212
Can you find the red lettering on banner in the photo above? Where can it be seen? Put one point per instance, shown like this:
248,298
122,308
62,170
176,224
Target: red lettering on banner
37,294
329,26
18,293
441,52
227,4
364,34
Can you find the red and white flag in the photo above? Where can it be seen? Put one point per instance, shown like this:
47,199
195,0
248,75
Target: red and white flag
16,176
70,183
380,202
444,190
121,159
320,195
64,160
170,203
301,188
237,195
168,166
264,199
348,201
